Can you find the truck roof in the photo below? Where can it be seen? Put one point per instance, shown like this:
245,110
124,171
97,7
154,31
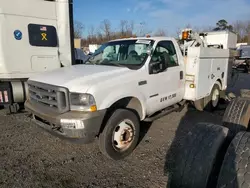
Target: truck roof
146,38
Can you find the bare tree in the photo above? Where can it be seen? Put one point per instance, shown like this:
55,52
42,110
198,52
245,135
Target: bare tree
188,25
239,28
178,32
248,32
242,28
106,28
160,32
129,27
78,29
142,29
132,25
200,29
91,35
91,31
248,26
123,24
126,28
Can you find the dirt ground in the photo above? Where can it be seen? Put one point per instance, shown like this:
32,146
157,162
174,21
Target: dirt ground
30,157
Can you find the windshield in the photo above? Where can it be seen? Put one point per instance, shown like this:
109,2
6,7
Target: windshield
128,53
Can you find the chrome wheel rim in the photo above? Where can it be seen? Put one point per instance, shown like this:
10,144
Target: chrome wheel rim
215,97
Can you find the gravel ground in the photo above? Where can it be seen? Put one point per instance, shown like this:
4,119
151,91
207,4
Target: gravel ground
33,158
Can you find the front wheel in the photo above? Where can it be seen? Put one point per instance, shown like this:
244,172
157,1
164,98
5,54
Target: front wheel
120,135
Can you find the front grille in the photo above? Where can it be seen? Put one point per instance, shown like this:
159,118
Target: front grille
52,97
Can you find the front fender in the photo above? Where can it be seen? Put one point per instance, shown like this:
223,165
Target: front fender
113,97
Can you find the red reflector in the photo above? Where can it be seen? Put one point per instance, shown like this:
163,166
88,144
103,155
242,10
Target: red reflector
6,98
1,97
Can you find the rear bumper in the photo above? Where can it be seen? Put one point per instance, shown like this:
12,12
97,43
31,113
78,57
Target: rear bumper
90,123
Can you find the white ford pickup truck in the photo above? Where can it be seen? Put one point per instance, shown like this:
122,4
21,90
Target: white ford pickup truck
125,82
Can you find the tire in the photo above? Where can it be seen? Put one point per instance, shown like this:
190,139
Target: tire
237,115
235,170
196,160
109,140
209,102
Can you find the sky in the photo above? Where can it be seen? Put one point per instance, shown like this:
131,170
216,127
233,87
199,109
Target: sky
168,15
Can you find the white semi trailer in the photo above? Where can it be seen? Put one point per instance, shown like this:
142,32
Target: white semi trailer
35,36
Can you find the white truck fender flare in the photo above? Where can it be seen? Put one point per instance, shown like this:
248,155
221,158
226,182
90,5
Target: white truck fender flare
116,96
218,83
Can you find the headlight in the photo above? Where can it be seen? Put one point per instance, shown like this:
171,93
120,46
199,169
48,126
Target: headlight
82,102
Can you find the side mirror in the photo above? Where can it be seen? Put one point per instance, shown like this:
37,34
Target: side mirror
150,51
157,67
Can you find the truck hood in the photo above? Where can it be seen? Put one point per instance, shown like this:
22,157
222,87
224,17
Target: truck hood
79,77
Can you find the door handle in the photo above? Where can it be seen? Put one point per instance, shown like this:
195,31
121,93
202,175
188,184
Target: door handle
181,75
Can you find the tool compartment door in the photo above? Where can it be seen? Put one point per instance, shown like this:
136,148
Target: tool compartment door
198,70
212,66
205,66
203,78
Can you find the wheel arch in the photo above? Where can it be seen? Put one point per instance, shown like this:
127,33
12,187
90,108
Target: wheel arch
132,103
219,82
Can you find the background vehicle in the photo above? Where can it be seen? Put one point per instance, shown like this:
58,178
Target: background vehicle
30,38
242,62
80,56
128,81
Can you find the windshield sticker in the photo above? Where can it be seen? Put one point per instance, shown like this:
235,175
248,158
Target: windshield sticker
143,41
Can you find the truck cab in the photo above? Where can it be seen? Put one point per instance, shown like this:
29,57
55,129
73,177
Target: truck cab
154,66
35,36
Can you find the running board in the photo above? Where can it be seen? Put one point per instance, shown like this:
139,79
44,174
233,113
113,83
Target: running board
176,108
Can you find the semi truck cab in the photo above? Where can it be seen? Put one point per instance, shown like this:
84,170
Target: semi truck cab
35,36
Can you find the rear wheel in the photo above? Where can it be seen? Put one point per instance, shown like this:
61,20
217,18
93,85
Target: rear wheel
209,103
237,115
120,135
212,101
235,170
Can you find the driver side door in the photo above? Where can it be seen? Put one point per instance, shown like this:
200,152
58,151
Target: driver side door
166,79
